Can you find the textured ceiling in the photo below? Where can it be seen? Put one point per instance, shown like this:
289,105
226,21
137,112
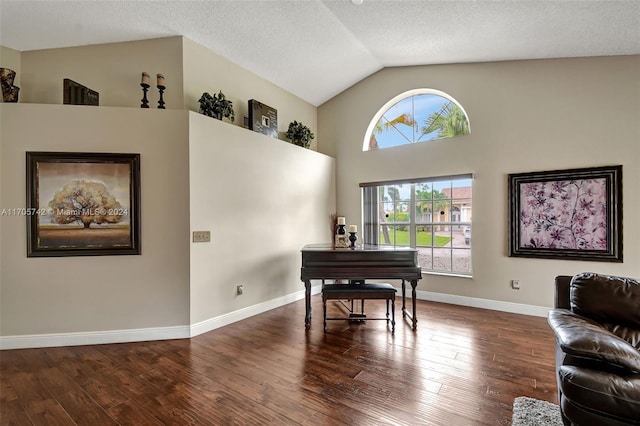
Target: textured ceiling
317,48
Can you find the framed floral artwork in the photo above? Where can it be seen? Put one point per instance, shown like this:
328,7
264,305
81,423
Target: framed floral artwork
571,214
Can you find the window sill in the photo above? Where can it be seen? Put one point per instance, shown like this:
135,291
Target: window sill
447,274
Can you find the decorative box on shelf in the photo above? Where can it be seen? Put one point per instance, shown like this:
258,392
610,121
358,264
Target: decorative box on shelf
342,241
263,119
74,93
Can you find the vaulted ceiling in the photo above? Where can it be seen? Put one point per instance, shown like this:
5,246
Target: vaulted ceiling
318,48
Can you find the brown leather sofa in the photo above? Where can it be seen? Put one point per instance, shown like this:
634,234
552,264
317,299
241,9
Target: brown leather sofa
596,322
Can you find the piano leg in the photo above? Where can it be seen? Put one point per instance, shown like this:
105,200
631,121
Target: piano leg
412,315
307,303
404,293
414,284
393,314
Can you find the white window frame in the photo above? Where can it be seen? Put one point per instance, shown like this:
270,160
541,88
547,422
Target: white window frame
372,225
400,97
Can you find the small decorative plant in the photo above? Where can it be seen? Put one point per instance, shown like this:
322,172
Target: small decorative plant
216,106
299,134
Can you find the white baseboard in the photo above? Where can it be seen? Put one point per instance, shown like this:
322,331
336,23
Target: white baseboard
93,337
145,334
185,331
495,305
231,317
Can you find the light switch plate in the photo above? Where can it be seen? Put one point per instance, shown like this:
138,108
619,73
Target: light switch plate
201,236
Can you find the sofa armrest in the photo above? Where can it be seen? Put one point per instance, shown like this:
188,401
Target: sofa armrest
581,337
562,292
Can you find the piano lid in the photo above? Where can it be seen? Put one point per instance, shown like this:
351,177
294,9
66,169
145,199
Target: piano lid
359,247
361,255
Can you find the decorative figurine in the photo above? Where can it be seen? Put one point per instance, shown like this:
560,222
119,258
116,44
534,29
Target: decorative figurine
9,91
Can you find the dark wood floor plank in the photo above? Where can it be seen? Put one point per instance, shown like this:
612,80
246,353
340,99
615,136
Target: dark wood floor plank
39,405
92,371
258,389
463,366
130,413
73,398
13,413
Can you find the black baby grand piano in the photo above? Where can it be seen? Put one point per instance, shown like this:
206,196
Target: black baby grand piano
323,261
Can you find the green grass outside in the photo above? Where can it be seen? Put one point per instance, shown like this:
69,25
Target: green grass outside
424,239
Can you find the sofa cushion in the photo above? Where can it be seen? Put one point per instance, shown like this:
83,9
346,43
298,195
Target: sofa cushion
607,299
630,334
602,393
582,337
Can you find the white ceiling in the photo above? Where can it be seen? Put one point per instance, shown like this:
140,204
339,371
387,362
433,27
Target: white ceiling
317,48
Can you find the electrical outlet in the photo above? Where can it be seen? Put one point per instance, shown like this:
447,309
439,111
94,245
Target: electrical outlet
515,284
201,236
239,290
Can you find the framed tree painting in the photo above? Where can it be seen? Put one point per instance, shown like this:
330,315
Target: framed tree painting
83,204
567,214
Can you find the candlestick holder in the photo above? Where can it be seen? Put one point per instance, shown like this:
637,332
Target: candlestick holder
341,237
161,101
144,100
353,237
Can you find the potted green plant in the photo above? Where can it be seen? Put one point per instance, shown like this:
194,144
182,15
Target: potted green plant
299,134
216,106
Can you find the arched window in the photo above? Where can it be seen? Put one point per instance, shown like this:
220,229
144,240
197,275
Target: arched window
419,115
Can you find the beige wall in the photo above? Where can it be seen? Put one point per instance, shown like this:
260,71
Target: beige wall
262,199
525,116
205,71
113,70
92,294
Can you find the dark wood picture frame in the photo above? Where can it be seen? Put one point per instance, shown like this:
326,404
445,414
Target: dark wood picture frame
74,93
263,119
83,204
573,214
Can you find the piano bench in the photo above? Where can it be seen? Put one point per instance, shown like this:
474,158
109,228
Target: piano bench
381,291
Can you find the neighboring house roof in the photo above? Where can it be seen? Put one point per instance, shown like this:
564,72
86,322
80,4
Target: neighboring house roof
461,192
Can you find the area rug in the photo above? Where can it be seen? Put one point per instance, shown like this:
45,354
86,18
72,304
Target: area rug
534,412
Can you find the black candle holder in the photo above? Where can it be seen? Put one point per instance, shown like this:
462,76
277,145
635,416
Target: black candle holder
353,237
161,101
144,100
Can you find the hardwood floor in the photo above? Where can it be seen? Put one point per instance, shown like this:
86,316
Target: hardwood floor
463,366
